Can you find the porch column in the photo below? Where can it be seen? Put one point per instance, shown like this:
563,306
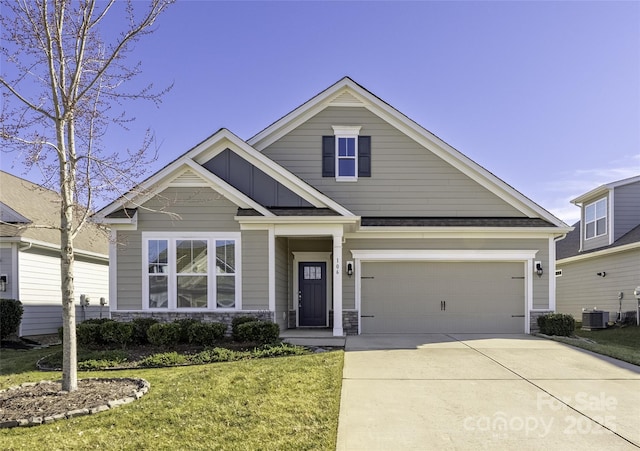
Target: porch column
337,285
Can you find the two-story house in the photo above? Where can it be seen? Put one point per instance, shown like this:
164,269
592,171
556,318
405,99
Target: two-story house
598,263
343,214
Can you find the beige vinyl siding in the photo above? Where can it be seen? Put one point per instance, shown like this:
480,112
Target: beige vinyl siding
282,282
599,241
255,270
129,270
407,179
626,205
198,210
540,284
580,286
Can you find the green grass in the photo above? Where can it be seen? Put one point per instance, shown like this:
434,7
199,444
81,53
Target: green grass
622,343
276,403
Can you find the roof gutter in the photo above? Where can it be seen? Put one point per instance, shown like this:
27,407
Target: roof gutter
28,244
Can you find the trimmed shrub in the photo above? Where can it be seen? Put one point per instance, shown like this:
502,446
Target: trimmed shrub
559,324
116,333
216,355
185,324
206,334
263,332
89,334
97,321
237,321
10,316
140,328
164,359
164,334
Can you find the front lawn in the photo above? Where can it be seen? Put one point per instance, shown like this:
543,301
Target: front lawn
622,343
276,403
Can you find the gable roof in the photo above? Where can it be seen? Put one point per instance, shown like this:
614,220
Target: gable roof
602,189
39,206
190,163
347,92
570,246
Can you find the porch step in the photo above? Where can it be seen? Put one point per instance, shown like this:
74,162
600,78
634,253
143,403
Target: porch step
316,341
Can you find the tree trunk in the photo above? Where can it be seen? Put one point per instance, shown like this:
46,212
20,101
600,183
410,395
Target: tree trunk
69,352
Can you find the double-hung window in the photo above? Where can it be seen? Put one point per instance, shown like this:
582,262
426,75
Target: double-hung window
191,271
346,155
595,219
346,152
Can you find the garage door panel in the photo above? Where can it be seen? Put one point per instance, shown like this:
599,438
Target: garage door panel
438,297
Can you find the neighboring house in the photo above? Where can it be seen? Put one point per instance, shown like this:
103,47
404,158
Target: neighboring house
343,214
30,257
598,263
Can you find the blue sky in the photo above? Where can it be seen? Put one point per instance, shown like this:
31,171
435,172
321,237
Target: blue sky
546,95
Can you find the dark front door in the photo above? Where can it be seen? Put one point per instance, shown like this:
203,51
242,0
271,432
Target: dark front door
312,295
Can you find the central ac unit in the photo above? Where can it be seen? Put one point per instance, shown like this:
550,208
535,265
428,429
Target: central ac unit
594,319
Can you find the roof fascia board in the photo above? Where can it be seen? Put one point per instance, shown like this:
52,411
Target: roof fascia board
299,115
612,250
162,180
56,247
410,128
604,188
271,168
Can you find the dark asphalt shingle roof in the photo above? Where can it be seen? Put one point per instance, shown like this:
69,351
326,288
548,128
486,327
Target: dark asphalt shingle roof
570,246
453,222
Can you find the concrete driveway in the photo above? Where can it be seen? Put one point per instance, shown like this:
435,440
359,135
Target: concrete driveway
468,391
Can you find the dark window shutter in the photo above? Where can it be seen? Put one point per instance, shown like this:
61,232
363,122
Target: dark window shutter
328,156
364,156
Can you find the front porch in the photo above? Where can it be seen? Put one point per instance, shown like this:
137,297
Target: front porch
312,337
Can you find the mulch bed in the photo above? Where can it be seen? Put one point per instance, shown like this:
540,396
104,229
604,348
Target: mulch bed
46,399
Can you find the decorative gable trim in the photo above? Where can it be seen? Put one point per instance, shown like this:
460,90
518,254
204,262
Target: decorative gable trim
187,171
346,92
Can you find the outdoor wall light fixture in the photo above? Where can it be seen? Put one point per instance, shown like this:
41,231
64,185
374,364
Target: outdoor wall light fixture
539,270
349,269
602,274
4,279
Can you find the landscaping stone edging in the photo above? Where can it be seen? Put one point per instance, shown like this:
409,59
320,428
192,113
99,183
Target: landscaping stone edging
143,388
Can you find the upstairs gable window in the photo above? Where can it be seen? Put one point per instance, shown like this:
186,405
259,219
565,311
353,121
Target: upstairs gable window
346,155
595,219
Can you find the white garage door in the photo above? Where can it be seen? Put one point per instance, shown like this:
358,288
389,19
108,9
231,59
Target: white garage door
438,297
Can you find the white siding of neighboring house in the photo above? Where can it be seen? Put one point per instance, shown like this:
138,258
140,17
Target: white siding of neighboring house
41,296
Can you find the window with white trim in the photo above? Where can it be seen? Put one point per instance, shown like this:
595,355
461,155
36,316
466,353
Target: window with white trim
595,219
346,152
191,271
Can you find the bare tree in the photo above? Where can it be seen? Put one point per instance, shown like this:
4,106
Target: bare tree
64,81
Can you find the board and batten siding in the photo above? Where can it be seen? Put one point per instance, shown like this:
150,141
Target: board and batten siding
406,179
540,284
282,282
626,206
580,286
255,270
192,210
